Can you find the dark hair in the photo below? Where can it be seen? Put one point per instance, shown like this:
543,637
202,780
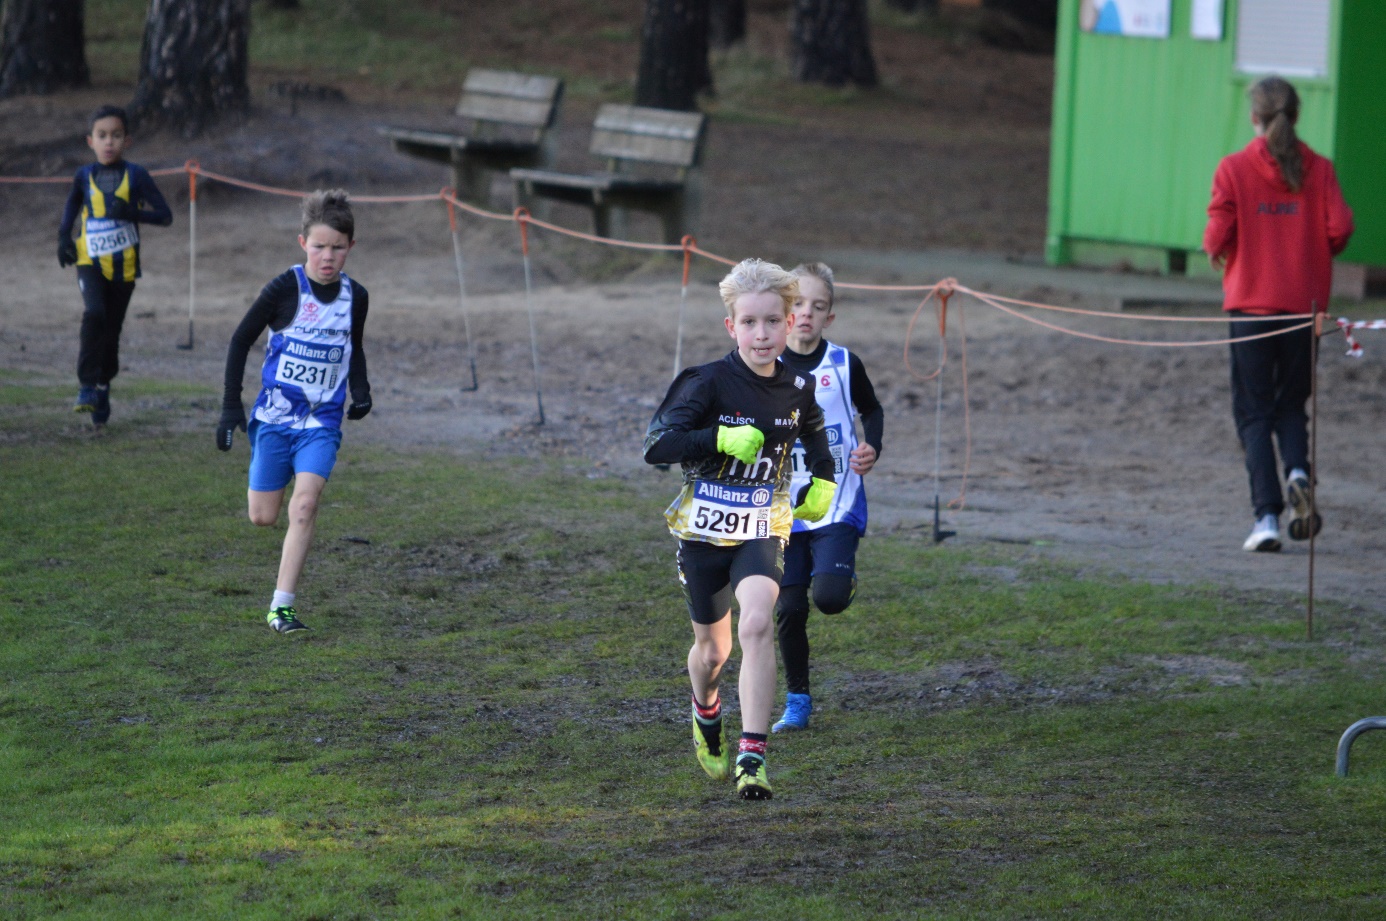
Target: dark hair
332,209
108,112
1275,104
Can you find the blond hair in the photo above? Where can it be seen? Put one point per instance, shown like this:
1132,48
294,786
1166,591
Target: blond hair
1275,104
755,276
820,271
331,209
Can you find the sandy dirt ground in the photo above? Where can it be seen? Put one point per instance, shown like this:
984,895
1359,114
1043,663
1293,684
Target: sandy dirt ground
1118,459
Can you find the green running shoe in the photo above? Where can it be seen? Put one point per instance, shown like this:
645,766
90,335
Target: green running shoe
711,749
752,781
285,620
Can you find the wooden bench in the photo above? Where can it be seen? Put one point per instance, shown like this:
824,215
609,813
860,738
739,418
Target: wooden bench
652,157
507,117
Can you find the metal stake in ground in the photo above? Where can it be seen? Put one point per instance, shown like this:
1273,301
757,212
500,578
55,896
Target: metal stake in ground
940,535
522,217
448,195
192,251
688,244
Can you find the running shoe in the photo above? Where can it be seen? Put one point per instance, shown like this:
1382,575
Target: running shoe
752,780
1305,521
711,749
86,400
797,708
1265,537
102,413
285,620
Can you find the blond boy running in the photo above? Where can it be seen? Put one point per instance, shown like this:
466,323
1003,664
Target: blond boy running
732,425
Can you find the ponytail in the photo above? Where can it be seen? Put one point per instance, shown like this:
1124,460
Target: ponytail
1275,104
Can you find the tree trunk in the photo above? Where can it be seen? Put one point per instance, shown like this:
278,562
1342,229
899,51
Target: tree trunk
193,63
726,23
41,47
831,43
673,55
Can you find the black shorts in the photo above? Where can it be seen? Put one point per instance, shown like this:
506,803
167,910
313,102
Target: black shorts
710,574
830,549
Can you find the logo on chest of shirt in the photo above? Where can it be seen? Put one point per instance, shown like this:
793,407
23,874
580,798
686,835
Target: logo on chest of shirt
310,310
1278,208
736,418
792,421
825,382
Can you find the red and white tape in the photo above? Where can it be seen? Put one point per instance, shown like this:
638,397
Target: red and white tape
1347,326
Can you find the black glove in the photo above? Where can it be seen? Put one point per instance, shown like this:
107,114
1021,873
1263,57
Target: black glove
231,419
358,409
67,252
118,209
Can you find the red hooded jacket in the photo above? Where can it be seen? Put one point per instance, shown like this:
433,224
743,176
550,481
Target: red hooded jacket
1279,244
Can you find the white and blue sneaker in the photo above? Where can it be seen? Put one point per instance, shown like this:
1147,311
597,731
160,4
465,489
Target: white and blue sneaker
797,708
1265,537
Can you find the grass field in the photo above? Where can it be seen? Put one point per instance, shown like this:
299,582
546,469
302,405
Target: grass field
489,717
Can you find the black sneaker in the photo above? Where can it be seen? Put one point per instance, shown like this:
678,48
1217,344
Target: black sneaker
101,414
285,620
1305,522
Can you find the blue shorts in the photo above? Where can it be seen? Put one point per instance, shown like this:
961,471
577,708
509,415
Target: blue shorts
277,452
830,549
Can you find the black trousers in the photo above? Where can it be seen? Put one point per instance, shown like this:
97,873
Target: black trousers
1270,384
103,314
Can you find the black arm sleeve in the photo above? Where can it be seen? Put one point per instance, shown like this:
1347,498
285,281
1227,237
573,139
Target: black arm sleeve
72,208
677,432
864,399
149,200
357,381
814,437
278,298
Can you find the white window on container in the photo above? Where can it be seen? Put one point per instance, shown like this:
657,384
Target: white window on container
1287,37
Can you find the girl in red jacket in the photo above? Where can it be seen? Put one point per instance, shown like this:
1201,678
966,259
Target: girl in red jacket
1275,223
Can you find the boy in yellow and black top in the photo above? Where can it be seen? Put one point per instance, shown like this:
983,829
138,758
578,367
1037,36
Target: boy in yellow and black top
109,200
732,425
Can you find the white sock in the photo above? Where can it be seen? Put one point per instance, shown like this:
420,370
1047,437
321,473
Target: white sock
1268,521
1298,474
282,600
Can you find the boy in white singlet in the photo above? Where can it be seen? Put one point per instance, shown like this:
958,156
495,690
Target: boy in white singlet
823,553
316,316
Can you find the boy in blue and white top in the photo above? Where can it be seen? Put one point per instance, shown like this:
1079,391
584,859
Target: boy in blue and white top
316,316
823,552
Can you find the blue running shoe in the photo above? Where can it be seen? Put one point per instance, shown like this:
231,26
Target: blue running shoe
86,400
102,413
797,708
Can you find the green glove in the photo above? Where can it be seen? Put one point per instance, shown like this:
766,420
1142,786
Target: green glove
817,499
740,441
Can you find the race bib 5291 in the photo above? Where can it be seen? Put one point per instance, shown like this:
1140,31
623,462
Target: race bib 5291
730,512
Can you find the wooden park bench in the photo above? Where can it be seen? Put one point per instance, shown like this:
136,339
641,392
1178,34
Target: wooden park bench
507,117
651,156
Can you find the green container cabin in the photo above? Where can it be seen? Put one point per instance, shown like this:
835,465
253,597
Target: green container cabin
1141,122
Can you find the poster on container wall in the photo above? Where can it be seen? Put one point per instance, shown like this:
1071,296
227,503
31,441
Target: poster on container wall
1134,18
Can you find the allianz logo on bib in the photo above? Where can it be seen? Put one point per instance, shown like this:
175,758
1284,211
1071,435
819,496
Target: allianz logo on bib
760,496
303,350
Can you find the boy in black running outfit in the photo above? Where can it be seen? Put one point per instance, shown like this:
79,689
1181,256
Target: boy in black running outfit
732,425
108,202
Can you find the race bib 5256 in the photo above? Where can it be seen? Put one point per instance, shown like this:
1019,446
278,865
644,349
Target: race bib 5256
106,236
